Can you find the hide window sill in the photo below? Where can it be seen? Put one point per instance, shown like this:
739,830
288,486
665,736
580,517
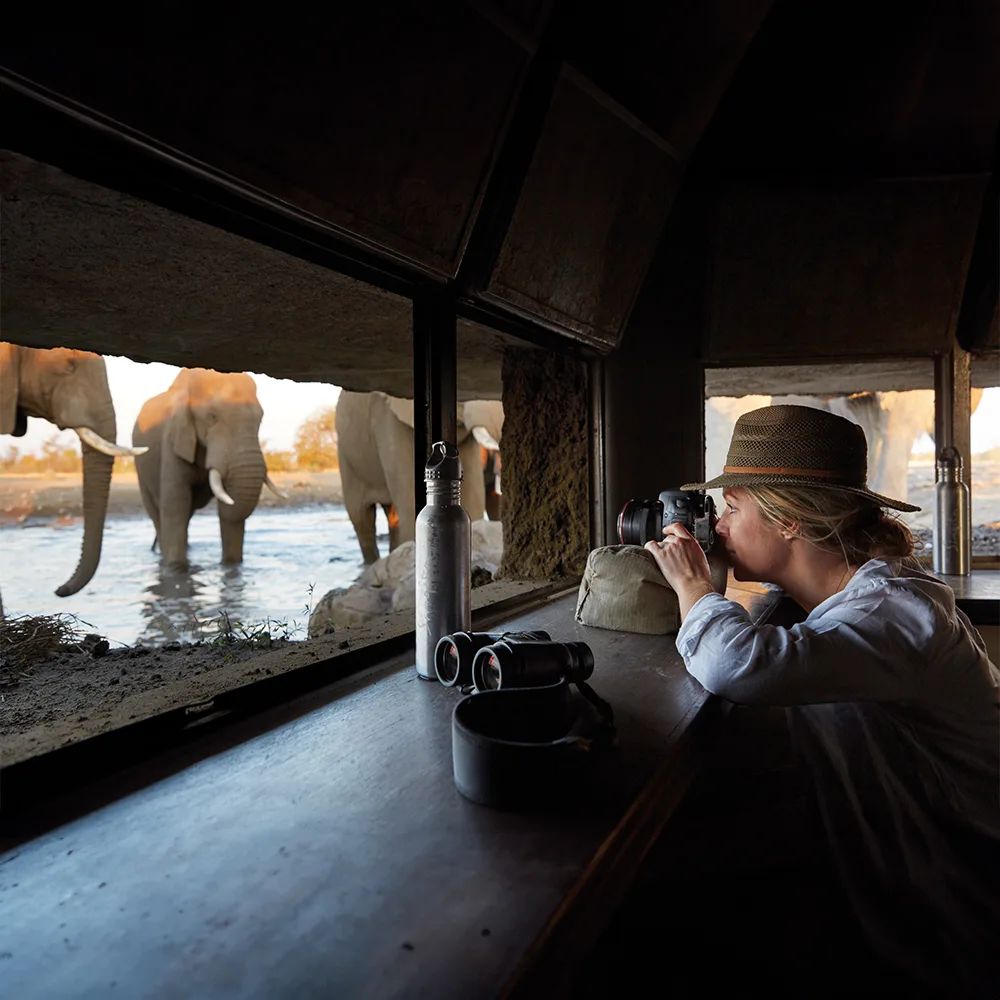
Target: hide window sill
49,758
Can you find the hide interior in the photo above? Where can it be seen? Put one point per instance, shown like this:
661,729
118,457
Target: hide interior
836,163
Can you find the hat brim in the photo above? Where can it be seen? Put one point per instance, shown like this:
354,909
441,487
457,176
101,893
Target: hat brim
737,479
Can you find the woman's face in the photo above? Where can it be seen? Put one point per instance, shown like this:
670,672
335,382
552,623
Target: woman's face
756,548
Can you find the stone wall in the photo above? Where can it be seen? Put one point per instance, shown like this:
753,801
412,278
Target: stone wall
546,530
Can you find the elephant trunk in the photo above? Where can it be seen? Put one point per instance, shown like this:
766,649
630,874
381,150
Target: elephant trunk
96,486
242,481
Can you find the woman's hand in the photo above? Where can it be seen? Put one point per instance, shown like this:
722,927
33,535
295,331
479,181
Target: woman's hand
683,564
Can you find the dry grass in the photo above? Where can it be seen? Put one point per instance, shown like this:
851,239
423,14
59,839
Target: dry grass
26,640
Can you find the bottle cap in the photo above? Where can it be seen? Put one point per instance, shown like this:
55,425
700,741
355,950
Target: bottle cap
443,462
949,458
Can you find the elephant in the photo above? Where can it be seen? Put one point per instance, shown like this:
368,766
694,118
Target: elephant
202,436
70,389
891,421
375,450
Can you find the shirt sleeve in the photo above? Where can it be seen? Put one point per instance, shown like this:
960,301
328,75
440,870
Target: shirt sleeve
868,647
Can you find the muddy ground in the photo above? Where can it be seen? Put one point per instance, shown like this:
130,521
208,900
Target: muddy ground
72,694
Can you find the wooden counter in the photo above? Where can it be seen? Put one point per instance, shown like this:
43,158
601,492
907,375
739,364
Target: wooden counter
322,849
978,595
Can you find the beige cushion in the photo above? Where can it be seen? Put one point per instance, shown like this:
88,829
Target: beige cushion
623,589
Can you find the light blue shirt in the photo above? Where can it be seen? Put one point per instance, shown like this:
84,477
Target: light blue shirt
895,706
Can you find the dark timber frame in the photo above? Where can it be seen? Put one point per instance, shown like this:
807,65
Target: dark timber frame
53,128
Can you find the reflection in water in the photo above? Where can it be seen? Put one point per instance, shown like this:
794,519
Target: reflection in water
172,606
291,558
181,604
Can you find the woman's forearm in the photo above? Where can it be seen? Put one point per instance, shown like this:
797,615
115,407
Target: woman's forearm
690,592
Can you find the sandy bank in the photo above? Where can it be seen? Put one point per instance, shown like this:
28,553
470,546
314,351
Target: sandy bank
23,497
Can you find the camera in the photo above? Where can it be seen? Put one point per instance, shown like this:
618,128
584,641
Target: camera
642,521
514,663
454,653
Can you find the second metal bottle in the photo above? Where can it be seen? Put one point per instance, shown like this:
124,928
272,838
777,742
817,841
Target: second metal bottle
952,516
443,557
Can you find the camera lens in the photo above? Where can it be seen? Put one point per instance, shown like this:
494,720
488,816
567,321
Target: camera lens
640,521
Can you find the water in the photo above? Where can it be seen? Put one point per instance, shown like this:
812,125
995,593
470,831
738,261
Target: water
133,599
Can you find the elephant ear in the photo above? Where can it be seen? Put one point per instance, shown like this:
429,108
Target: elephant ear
181,434
484,417
402,409
10,365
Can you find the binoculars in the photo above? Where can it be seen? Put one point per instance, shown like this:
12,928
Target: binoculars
492,662
453,655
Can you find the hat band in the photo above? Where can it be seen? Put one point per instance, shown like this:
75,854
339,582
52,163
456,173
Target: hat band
780,470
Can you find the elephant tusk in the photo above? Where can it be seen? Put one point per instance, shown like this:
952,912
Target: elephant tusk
215,481
106,447
274,489
485,438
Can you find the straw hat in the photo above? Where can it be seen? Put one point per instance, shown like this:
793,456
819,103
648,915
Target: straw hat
798,446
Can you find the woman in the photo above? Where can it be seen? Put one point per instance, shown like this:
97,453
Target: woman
893,701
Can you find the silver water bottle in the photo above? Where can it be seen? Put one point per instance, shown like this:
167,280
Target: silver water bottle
952,516
444,557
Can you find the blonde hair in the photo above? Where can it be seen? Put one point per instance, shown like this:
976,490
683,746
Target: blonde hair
838,521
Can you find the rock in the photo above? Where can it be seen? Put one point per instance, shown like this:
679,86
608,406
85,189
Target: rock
388,586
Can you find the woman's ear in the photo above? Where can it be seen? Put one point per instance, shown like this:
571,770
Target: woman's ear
790,531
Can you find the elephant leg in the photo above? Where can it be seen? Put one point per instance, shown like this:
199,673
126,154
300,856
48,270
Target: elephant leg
175,513
491,475
360,510
473,487
494,506
152,509
392,516
364,527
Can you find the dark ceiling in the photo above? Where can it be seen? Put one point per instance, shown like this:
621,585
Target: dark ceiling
523,156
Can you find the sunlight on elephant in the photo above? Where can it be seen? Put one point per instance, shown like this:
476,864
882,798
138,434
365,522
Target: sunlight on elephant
202,435
892,422
70,389
375,450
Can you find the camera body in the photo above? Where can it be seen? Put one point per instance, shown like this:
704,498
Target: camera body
642,521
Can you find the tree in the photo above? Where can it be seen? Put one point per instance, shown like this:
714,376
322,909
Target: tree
316,441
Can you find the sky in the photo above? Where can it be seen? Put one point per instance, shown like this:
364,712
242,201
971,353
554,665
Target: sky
286,404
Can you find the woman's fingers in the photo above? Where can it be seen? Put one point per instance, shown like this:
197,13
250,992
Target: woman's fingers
679,556
677,530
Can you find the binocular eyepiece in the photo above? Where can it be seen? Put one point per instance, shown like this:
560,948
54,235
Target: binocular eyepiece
453,655
510,663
